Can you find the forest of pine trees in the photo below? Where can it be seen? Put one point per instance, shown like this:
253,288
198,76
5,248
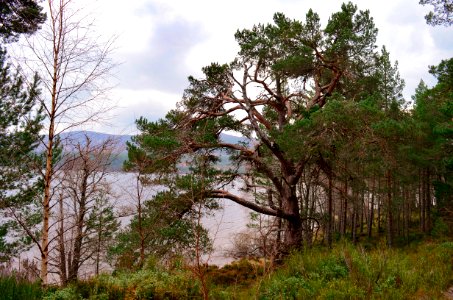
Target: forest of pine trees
326,154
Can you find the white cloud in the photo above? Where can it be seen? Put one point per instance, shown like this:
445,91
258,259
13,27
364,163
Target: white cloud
133,104
161,42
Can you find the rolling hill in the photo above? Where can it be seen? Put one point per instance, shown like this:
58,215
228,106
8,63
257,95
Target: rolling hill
74,137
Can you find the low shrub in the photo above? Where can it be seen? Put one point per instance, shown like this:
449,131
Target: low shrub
242,272
67,293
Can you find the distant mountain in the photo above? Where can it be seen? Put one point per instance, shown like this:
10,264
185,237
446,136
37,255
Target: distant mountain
98,137
74,137
232,139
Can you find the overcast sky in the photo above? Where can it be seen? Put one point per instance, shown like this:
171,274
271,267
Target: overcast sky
161,42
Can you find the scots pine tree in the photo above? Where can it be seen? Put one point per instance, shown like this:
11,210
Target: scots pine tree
284,72
20,125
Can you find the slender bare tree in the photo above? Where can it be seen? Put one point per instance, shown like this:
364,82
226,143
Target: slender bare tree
75,67
84,183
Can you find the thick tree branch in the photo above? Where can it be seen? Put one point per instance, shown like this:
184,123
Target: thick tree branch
222,194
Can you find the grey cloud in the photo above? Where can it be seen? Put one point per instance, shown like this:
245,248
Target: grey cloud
162,65
123,118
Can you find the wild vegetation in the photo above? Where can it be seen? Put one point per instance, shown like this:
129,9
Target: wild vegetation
351,185
421,271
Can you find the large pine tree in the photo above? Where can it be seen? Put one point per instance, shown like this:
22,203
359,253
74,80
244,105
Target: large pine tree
283,74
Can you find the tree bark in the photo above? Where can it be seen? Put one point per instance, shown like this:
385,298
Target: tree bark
48,175
98,248
61,244
371,216
428,200
389,210
293,230
140,225
379,201
362,210
329,211
421,200
354,219
76,258
345,209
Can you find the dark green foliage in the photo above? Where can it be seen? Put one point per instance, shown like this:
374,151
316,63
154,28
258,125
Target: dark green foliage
434,151
390,86
19,17
20,123
97,288
19,128
156,143
444,73
14,288
351,34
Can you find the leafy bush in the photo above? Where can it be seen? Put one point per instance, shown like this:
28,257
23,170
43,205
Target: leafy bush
287,288
144,284
242,272
102,287
332,268
163,285
68,293
440,229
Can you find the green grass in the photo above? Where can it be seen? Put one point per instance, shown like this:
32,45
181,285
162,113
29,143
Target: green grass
14,288
349,272
420,271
